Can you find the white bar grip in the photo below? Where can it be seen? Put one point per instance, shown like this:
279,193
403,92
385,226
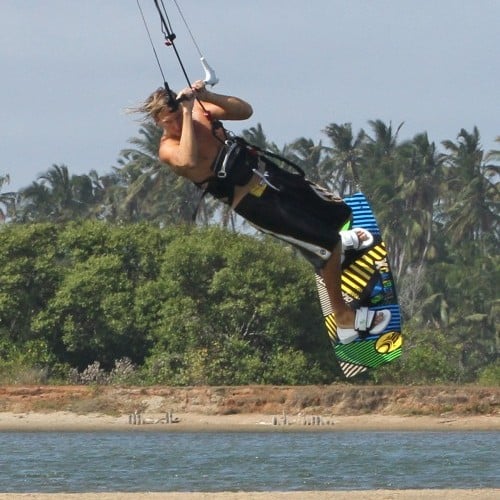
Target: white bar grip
210,76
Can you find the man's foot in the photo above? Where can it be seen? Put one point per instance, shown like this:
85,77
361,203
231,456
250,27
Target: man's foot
356,238
365,322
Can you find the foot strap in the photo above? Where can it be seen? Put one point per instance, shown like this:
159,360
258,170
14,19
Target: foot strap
363,319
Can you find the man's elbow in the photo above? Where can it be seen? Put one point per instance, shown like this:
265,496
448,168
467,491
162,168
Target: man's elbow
243,113
248,112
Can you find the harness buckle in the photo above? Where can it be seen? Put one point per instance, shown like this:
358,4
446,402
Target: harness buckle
231,147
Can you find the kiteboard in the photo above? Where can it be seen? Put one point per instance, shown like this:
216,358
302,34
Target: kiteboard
367,281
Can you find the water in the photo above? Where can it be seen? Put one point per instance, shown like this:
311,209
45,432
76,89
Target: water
260,461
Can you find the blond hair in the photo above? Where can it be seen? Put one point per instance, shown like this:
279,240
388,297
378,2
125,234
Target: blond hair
155,103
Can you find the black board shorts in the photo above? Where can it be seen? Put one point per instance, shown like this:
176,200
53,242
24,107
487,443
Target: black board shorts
295,210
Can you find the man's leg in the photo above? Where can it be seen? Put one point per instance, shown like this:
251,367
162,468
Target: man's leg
331,273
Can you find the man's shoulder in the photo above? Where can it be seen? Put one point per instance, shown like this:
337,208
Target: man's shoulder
166,141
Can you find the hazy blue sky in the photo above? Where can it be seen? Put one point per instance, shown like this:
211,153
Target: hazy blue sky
69,68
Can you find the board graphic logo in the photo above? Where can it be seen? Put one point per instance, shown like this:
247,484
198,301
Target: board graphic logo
389,342
382,266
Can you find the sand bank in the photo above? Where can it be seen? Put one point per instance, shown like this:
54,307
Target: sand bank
480,494
68,421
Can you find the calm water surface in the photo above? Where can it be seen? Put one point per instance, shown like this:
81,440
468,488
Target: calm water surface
260,461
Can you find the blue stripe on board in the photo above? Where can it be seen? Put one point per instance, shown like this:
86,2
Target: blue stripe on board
395,321
362,214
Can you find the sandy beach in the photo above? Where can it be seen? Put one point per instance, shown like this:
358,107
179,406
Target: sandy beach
480,494
68,421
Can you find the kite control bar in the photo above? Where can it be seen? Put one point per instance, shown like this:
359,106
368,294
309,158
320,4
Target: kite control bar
169,36
210,76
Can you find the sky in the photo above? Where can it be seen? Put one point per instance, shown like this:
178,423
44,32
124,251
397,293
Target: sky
69,69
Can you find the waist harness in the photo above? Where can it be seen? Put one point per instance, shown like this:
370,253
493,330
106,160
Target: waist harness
235,162
235,165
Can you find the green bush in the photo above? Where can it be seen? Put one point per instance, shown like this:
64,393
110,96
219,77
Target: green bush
490,375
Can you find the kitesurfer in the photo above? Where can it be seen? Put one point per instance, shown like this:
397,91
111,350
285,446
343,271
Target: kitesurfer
196,146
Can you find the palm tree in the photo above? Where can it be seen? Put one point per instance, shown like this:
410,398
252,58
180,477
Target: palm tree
379,153
345,157
58,196
380,167
112,194
58,179
492,175
138,168
310,157
494,154
470,195
35,203
417,192
154,192
7,201
470,224
257,137
418,189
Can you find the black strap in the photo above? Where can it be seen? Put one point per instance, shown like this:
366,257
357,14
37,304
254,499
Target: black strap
264,152
198,205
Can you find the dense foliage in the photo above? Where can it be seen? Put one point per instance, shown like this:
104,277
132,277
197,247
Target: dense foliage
109,272
187,305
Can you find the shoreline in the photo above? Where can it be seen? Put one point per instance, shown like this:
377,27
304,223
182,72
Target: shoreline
65,421
437,494
60,421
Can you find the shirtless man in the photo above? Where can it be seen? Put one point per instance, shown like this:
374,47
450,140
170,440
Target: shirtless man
195,146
